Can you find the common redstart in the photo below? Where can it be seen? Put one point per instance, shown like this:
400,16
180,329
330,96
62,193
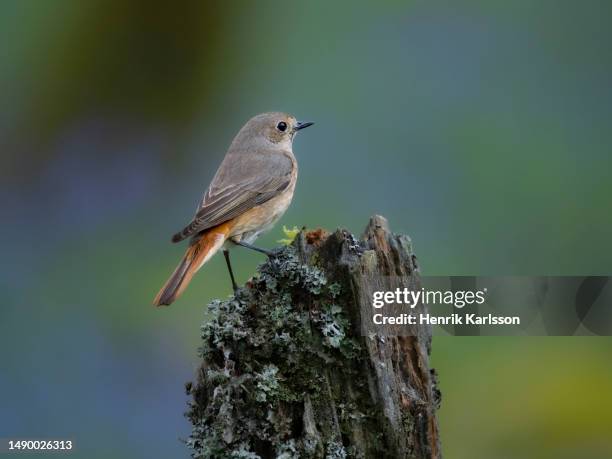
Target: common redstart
251,190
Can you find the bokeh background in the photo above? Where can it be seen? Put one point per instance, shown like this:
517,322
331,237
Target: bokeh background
480,128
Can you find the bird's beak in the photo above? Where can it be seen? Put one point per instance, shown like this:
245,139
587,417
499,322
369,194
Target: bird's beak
302,125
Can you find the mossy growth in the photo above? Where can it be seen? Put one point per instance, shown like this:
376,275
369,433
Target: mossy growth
267,355
290,235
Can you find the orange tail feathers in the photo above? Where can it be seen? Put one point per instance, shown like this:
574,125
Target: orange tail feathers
198,253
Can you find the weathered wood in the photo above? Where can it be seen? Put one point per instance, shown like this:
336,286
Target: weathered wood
290,368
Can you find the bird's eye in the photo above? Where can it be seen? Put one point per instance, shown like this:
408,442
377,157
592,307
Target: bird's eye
282,126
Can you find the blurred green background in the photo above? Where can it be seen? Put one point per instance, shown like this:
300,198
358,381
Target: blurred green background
480,128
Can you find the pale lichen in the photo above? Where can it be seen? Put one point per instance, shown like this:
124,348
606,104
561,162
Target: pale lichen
263,351
288,372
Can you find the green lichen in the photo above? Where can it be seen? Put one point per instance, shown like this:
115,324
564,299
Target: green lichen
267,384
263,351
290,235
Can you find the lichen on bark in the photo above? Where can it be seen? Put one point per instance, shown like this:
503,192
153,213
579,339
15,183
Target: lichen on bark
285,372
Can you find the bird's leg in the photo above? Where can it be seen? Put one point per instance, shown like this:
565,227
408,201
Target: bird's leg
252,247
229,268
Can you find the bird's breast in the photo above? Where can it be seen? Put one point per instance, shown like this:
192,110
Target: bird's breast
260,219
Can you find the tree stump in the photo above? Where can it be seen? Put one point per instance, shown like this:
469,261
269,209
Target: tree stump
289,370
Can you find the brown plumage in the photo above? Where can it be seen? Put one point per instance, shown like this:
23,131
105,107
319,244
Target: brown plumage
250,191
198,253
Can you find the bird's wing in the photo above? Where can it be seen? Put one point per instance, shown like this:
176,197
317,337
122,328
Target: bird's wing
240,184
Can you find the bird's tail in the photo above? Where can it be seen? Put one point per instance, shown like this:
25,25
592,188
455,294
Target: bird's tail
198,253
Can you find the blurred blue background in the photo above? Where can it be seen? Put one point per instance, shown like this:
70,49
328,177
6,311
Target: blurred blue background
480,128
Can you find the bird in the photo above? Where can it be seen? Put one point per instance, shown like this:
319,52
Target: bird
250,191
